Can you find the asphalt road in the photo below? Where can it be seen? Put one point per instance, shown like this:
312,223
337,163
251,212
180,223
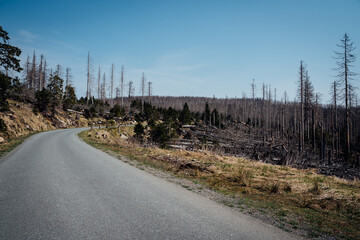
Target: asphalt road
54,186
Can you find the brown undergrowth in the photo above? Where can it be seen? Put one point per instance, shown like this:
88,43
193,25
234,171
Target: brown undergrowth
294,199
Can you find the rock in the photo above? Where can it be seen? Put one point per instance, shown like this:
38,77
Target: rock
123,136
60,124
2,140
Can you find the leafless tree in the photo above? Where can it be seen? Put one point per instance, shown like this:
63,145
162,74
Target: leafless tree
344,59
68,77
99,83
112,85
103,89
40,73
122,85
301,98
131,89
88,89
33,72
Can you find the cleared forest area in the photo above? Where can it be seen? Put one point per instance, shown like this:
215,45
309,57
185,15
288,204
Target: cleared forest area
267,130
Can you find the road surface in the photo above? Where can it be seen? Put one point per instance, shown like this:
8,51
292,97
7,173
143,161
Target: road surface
54,186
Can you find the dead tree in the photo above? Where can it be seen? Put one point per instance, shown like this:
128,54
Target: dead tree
99,83
44,73
335,129
112,85
142,92
253,86
149,90
308,102
40,75
131,89
68,77
88,89
33,72
301,96
103,89
27,72
122,86
344,60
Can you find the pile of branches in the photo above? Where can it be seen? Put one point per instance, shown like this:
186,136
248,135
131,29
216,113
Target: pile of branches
244,141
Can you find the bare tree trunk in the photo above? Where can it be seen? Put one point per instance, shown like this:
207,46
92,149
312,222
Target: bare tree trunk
104,89
40,70
88,87
149,91
99,83
112,86
122,86
142,92
313,129
301,119
44,74
33,72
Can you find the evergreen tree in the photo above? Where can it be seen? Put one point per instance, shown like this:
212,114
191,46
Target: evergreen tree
207,113
117,111
5,84
215,118
69,97
8,61
42,100
162,134
139,130
55,88
185,116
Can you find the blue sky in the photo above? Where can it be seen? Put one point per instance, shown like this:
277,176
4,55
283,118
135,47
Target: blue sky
189,48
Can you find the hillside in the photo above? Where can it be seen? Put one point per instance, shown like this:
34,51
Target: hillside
21,120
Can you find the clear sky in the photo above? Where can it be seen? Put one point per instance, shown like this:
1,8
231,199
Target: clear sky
189,48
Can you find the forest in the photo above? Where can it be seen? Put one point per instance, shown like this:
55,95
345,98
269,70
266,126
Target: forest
272,128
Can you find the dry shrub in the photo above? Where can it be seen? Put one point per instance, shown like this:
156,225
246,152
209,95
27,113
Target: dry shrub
287,188
305,201
245,176
274,188
315,189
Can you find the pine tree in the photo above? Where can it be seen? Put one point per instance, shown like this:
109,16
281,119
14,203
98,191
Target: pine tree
8,61
55,88
185,116
69,97
207,113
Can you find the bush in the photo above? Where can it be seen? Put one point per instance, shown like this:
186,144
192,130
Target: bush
110,123
42,100
162,134
139,130
274,188
117,111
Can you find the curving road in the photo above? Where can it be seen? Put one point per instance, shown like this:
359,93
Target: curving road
54,186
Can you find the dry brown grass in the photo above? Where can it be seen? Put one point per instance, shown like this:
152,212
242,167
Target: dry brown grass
325,204
21,120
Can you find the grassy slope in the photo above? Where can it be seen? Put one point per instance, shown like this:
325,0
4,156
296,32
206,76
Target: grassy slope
293,199
21,122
